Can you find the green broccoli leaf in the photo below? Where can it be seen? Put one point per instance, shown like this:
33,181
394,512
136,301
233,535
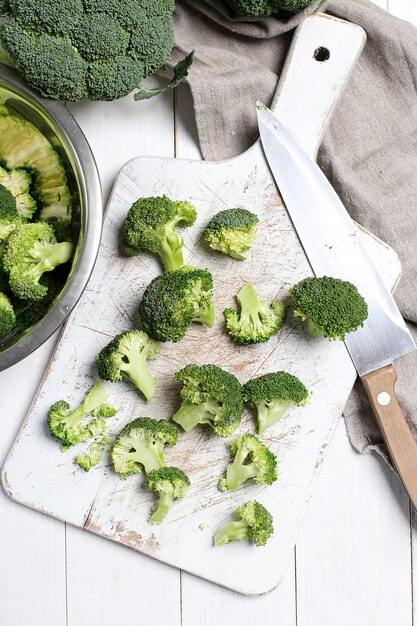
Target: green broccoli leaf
180,73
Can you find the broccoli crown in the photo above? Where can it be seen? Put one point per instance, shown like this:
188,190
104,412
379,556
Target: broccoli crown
9,217
99,49
330,306
7,315
272,395
93,456
30,251
174,300
256,322
126,356
232,231
265,8
172,484
209,396
150,225
141,445
18,182
253,460
68,427
255,524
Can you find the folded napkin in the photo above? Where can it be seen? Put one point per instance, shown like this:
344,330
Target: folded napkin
239,59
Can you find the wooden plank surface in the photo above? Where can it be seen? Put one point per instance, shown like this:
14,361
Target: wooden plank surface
203,603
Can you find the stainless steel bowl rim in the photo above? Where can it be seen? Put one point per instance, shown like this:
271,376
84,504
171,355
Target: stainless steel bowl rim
93,219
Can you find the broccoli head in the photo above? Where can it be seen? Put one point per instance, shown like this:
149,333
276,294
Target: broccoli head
68,426
9,217
256,322
30,251
93,456
253,460
254,524
126,356
7,315
272,395
209,396
97,49
174,300
151,225
18,182
172,484
265,8
232,231
330,307
141,445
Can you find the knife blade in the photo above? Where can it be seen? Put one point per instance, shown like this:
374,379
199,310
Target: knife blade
335,248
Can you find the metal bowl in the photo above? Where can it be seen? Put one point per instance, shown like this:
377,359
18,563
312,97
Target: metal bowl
58,125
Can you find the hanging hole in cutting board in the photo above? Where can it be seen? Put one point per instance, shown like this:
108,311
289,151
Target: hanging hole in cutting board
322,54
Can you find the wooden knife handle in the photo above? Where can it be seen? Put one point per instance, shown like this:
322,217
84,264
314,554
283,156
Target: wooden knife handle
402,446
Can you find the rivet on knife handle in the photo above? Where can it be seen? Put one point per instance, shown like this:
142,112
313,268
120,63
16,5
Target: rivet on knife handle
402,446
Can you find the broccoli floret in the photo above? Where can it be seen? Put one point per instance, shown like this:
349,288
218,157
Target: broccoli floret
7,315
30,251
232,232
67,426
172,484
8,213
97,49
330,307
253,460
93,456
272,395
255,524
174,300
18,182
126,356
209,396
256,322
151,225
265,8
141,445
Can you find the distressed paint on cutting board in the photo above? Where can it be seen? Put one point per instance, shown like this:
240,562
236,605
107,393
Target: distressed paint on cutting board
116,509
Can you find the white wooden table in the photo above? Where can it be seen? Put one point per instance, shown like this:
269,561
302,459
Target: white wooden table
353,563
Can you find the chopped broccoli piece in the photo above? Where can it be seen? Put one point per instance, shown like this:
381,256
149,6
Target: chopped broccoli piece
30,251
265,8
18,182
93,456
7,315
272,395
141,445
151,225
256,322
209,396
67,426
9,217
105,410
253,460
172,484
255,524
330,307
174,300
232,231
126,356
97,49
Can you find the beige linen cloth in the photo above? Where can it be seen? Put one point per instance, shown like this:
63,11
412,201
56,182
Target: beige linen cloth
369,152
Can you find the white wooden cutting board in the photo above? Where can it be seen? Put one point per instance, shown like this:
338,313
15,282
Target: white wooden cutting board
38,475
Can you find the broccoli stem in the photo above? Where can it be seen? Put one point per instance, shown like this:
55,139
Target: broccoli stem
139,374
251,307
190,415
151,456
171,251
230,532
312,330
238,472
161,510
95,397
207,318
270,413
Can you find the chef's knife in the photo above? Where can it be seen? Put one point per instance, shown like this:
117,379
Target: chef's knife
334,247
